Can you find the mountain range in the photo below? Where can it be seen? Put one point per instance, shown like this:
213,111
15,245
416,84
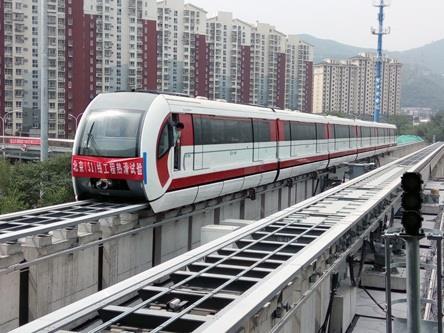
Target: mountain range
422,78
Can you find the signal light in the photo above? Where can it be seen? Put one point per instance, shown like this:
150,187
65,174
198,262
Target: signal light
412,222
411,201
411,184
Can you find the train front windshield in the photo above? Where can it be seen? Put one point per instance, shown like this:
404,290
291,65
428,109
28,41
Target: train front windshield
111,133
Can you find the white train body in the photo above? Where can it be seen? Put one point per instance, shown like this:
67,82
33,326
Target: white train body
174,151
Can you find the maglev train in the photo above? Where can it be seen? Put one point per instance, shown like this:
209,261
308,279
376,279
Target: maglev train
174,151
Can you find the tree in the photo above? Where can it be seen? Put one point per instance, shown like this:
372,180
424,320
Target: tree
35,184
404,124
433,129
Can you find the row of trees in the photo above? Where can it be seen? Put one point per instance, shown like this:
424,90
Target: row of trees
429,131
35,184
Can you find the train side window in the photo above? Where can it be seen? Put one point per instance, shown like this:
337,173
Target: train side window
237,131
342,132
262,131
287,131
164,141
320,132
212,131
352,132
197,129
303,131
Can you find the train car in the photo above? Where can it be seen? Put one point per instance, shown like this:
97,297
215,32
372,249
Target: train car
174,151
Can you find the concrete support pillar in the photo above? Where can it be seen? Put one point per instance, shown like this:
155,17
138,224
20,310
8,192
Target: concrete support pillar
284,198
128,255
300,191
174,239
344,309
64,279
230,211
309,188
271,204
253,208
10,254
199,221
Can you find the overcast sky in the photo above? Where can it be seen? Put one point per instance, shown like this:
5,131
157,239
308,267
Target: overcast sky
413,22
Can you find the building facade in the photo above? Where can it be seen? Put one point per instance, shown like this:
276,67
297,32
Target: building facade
94,46
229,45
332,80
97,46
299,75
17,33
182,50
268,65
335,87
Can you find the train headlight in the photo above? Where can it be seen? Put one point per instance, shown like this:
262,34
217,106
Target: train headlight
104,184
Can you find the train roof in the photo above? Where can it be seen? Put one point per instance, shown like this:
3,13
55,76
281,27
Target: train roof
373,124
179,103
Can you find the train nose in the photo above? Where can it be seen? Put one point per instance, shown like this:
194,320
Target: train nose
104,184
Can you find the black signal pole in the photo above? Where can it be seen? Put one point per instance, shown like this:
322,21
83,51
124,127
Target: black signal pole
412,222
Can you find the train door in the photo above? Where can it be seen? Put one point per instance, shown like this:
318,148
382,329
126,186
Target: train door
265,140
257,140
177,148
332,138
321,138
184,147
198,143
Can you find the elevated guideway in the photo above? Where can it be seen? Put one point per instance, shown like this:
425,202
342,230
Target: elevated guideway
40,221
257,278
43,220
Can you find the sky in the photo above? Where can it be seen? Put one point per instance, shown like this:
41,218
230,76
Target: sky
413,23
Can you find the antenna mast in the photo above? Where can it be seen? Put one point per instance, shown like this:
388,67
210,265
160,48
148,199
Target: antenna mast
380,32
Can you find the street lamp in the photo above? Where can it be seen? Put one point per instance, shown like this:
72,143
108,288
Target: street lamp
4,120
76,118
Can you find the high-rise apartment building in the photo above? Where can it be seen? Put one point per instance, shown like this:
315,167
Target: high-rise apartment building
391,86
268,66
97,46
182,60
229,44
335,87
329,86
16,31
299,75
94,46
2,61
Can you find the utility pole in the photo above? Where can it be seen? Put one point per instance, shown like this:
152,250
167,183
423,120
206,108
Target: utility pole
380,32
43,64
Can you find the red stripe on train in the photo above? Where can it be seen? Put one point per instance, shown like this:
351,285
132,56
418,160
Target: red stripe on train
301,161
208,178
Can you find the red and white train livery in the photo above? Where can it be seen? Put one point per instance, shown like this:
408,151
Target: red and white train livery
174,151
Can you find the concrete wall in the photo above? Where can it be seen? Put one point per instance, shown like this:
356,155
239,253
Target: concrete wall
10,254
129,255
63,279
